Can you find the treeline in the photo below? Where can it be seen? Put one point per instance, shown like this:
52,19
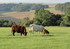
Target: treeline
7,7
6,23
46,18
63,7
21,7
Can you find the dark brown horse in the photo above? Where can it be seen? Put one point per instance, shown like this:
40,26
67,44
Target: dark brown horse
19,29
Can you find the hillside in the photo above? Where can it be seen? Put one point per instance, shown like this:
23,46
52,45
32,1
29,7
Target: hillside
51,5
21,7
19,15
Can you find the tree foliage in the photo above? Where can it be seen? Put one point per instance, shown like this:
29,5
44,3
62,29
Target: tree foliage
62,7
26,22
44,17
21,7
6,23
66,18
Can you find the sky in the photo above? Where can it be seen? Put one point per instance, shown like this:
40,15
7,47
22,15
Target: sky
34,1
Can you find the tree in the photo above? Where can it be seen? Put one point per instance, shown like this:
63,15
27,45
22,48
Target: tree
5,24
66,18
26,7
18,7
26,21
62,7
44,17
10,23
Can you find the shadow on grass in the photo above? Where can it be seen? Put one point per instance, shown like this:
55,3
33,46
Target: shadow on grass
47,35
43,35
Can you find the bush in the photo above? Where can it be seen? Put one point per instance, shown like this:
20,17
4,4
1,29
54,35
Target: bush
6,23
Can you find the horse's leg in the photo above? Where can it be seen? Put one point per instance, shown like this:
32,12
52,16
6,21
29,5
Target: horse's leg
21,34
25,34
44,32
33,32
13,33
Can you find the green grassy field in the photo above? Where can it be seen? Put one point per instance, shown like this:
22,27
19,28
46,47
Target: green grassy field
9,12
59,38
49,9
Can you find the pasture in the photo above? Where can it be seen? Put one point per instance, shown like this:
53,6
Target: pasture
50,9
59,38
5,12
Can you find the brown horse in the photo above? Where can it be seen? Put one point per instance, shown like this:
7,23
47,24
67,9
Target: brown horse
19,29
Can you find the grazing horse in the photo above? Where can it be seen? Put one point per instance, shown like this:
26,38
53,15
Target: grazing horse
34,27
19,29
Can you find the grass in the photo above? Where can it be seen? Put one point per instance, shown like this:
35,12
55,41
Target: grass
7,12
59,38
32,11
50,9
